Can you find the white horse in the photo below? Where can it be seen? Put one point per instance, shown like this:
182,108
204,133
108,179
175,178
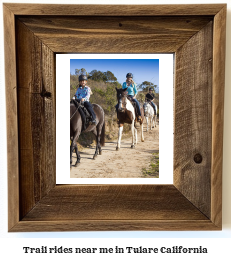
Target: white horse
126,114
149,114
155,116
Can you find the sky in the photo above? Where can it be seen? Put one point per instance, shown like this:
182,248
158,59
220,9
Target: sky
142,69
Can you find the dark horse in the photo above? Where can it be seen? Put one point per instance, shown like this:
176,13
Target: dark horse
76,127
126,114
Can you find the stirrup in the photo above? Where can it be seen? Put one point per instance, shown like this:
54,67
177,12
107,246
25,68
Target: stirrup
93,122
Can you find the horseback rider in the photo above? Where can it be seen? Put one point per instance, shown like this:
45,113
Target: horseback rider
150,98
132,91
83,95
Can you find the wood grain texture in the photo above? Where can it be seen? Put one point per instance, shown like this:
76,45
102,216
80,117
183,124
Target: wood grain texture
11,116
114,202
218,114
114,207
194,201
114,10
36,118
114,225
193,113
115,34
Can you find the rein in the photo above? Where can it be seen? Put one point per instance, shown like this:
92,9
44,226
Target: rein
74,113
77,107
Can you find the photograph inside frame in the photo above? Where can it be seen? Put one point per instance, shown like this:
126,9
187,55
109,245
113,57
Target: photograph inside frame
114,118
119,136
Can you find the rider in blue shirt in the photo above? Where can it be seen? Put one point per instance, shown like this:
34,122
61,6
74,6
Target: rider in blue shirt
132,91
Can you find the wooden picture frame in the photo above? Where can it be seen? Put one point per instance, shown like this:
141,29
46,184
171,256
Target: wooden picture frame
33,34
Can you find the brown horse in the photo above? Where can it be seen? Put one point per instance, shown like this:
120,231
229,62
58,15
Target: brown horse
126,114
76,127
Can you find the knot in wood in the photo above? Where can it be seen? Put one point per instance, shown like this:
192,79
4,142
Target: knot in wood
198,158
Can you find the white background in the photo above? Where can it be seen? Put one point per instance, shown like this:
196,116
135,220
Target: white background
165,128
217,242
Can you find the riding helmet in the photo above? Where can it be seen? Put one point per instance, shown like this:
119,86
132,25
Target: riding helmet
83,77
129,75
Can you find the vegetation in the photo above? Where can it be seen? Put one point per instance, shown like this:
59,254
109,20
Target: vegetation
103,86
153,169
102,76
144,86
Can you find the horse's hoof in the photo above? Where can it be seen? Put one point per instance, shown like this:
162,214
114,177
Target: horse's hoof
117,148
77,164
100,152
94,157
132,146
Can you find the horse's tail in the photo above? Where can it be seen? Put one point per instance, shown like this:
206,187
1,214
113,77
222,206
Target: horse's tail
102,135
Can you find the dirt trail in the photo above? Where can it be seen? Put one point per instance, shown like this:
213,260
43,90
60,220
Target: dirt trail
125,163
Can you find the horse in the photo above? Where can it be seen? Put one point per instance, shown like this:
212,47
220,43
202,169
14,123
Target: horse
76,128
126,114
155,116
150,114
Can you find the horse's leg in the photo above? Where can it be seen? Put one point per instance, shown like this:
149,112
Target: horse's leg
99,146
119,136
147,122
74,147
100,149
101,133
151,122
135,135
142,132
97,136
71,150
133,132
77,155
98,140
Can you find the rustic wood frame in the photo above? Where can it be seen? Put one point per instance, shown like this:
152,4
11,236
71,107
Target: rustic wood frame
33,34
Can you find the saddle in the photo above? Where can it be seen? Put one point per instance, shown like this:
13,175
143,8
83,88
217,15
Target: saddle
85,115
